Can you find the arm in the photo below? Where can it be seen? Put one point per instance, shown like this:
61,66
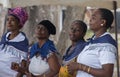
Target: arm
105,71
54,65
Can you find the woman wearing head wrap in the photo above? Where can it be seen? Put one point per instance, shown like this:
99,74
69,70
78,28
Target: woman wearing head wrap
44,62
98,57
43,59
14,44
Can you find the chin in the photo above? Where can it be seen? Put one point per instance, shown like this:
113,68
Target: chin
9,29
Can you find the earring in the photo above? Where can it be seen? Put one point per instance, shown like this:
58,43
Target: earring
101,24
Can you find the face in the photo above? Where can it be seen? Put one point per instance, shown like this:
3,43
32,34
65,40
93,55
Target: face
12,23
76,32
41,32
96,21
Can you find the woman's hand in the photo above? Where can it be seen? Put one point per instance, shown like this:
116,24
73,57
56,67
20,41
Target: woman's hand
28,74
73,66
14,66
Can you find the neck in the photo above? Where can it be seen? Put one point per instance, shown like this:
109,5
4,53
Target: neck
41,42
99,32
13,34
75,42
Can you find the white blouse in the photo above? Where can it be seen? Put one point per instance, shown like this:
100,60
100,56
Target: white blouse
96,55
10,54
39,66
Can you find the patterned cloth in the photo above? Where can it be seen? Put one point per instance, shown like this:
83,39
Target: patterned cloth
20,13
64,72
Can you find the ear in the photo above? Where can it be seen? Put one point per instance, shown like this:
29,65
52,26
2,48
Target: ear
103,22
19,25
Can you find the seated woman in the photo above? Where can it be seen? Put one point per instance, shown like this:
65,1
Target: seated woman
43,59
14,44
77,32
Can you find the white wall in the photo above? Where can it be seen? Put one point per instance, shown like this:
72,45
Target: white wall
5,3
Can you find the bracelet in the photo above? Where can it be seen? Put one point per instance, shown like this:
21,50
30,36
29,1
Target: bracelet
88,70
84,68
79,66
44,75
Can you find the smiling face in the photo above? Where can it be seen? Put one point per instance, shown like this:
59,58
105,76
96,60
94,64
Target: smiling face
41,32
96,21
12,23
76,32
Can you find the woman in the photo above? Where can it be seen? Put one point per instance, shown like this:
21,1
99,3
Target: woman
98,57
77,32
44,62
43,59
14,44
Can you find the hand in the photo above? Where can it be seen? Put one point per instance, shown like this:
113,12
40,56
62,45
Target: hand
73,66
14,66
24,63
28,74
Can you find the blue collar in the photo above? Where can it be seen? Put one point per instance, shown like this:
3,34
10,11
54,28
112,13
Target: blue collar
22,45
76,51
44,50
103,39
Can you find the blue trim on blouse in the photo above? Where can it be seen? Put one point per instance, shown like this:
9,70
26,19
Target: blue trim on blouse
76,51
103,39
22,45
44,50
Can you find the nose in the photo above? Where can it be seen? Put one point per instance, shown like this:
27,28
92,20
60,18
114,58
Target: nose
73,30
90,20
8,21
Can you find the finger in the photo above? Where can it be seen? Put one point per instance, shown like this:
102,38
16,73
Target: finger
12,65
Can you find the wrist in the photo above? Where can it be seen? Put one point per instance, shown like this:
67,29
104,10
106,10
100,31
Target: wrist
44,75
88,70
79,66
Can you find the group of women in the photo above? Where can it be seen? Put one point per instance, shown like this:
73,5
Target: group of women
93,58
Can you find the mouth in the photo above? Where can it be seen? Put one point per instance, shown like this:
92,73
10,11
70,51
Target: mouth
90,24
9,25
72,36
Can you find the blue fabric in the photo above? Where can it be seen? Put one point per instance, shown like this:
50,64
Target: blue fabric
104,39
76,51
22,45
44,50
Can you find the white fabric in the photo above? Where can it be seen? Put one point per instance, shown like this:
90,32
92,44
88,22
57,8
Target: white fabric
38,66
95,55
18,38
10,54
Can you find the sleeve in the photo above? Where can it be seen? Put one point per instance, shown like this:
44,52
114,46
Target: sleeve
108,55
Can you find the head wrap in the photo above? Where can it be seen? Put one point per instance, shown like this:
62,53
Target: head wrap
50,27
20,13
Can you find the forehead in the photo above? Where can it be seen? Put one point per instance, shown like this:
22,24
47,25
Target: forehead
96,13
12,17
76,25
41,26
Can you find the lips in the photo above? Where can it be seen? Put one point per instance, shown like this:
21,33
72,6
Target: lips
72,36
9,26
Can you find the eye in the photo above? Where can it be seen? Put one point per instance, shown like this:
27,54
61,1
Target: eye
71,28
7,19
77,29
